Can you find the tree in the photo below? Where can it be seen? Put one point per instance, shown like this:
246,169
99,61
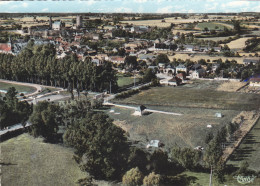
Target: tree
149,75
133,177
152,179
131,61
45,119
209,137
159,162
237,27
100,145
162,58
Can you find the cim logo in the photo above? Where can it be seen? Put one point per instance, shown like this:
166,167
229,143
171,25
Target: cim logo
245,179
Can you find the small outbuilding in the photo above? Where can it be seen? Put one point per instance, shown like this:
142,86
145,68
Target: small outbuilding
218,115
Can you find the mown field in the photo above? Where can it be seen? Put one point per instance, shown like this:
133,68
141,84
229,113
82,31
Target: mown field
29,161
183,96
187,130
19,88
238,44
126,81
249,149
213,26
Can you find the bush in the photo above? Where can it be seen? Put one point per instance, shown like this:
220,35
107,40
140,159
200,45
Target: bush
152,179
22,94
133,177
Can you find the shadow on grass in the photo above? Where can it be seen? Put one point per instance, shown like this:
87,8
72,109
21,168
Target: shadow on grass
242,153
7,164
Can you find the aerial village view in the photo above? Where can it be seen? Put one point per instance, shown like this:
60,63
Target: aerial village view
130,93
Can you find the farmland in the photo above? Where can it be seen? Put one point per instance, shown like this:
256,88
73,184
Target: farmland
238,43
29,161
213,26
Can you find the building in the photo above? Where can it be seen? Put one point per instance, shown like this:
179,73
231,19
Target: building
58,25
5,48
255,81
198,73
117,59
181,68
254,61
79,21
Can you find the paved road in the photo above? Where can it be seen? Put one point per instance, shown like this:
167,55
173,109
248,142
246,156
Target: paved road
13,128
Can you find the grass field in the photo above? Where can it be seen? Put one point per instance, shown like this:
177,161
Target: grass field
126,81
28,161
19,88
213,25
183,96
203,179
249,149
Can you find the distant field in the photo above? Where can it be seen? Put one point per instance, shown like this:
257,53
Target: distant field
249,149
194,98
213,25
214,38
238,43
19,88
29,161
206,57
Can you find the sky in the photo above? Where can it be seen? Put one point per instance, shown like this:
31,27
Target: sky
130,6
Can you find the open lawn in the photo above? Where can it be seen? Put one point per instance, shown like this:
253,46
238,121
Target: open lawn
29,161
187,130
249,149
183,96
126,81
19,88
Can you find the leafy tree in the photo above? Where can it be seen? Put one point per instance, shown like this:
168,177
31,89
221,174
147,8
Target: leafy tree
133,177
209,137
213,152
159,162
152,179
162,58
131,61
149,75
45,119
100,145
186,157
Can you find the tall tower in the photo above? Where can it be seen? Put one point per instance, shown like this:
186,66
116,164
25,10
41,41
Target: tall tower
79,21
50,22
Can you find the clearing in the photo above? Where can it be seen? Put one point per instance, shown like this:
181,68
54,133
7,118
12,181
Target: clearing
213,26
124,81
29,161
238,43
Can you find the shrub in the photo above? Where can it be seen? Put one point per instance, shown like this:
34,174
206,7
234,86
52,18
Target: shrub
22,94
133,177
152,179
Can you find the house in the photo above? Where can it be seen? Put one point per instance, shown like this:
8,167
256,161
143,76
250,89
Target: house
198,73
58,25
181,68
95,37
181,76
154,143
217,49
218,115
97,61
254,61
5,48
188,48
255,81
175,81
117,59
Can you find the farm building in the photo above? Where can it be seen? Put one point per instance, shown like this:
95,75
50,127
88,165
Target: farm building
218,115
255,81
254,61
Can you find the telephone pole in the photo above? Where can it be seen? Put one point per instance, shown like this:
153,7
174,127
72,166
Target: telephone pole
210,178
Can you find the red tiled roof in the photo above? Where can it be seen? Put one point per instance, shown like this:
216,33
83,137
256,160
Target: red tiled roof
5,47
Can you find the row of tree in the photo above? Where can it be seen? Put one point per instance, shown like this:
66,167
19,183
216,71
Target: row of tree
38,64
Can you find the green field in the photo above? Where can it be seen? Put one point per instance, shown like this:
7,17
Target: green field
19,88
203,179
184,96
126,81
29,161
212,26
249,149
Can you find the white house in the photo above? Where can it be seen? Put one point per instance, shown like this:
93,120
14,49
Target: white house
181,68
